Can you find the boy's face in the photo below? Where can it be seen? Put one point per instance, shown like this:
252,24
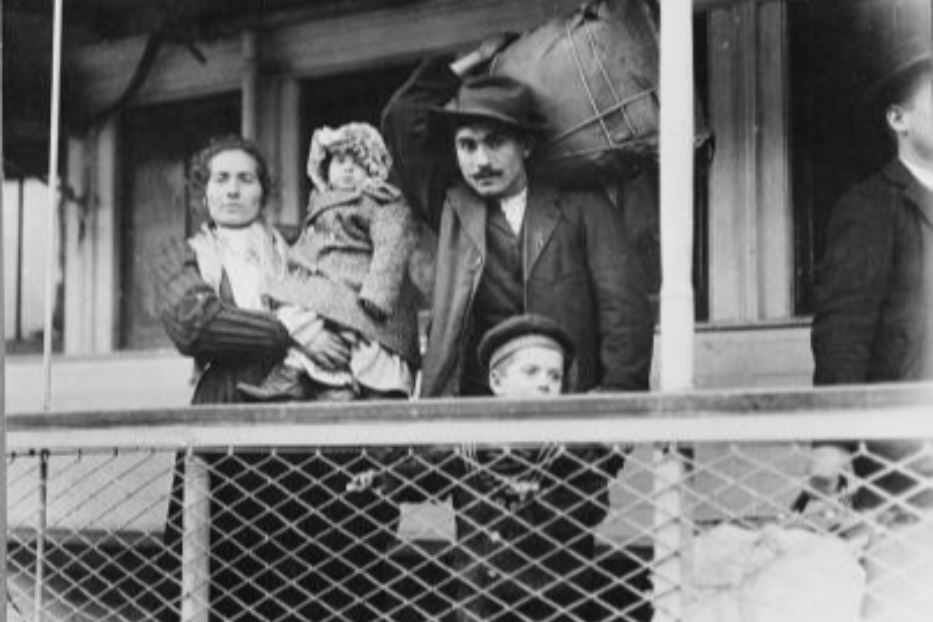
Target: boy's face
345,173
532,371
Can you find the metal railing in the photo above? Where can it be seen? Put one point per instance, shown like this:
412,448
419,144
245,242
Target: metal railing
476,510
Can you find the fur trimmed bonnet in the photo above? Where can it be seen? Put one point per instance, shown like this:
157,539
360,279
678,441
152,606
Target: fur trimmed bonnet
361,140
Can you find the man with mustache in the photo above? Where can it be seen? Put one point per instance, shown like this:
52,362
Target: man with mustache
510,244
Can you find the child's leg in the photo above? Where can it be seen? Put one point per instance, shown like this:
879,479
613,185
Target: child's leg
305,326
285,382
379,372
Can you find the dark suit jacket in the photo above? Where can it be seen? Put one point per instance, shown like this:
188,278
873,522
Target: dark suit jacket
874,314
580,267
874,318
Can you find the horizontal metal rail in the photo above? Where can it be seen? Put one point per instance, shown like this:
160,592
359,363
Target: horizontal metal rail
246,512
870,413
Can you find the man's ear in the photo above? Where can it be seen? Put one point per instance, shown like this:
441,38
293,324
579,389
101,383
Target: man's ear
528,143
495,381
896,118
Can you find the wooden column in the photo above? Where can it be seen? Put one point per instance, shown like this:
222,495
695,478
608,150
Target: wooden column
76,240
751,234
3,462
51,256
106,243
279,120
671,524
91,243
292,152
250,85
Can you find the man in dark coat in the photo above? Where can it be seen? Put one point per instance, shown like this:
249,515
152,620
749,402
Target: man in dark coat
874,285
507,245
510,245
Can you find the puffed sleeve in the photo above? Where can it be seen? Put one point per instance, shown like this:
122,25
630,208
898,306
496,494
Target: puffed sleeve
394,236
200,324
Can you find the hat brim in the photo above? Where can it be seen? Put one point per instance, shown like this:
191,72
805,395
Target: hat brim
520,326
877,93
454,116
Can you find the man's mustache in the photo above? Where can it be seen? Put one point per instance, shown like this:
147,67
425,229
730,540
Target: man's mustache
487,173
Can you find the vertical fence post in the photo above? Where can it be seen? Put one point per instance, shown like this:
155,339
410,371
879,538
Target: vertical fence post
3,462
51,254
41,526
671,525
669,534
196,535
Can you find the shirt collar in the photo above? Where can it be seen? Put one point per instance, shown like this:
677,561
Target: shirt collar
514,209
923,175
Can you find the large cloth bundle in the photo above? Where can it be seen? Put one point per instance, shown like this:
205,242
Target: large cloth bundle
595,73
771,574
899,563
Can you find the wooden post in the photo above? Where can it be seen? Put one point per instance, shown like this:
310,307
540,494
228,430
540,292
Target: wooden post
196,541
41,526
291,144
3,461
670,527
250,86
52,254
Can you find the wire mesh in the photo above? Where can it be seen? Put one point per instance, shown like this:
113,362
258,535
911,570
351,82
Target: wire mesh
697,532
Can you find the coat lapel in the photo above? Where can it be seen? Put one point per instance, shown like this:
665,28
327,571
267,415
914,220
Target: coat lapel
913,190
922,198
541,217
471,212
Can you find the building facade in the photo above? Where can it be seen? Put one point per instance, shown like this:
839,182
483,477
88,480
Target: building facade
777,80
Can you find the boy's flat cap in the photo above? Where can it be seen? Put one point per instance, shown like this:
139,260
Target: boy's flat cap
521,330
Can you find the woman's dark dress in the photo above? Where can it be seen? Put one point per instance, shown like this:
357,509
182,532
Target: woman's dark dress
287,541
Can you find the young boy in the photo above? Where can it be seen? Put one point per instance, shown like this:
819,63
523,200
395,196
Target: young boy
525,516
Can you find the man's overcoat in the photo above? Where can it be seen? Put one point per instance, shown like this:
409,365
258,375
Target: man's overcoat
580,268
874,313
874,318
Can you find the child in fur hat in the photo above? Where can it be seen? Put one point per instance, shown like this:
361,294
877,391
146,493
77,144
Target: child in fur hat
348,272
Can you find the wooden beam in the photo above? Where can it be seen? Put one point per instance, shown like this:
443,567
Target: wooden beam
316,47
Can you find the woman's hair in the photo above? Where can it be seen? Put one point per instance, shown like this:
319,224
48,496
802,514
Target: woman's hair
200,172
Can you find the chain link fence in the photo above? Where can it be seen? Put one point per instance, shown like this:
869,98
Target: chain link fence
266,519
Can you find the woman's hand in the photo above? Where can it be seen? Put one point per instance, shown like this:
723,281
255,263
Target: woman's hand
327,349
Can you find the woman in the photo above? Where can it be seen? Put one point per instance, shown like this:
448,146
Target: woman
281,545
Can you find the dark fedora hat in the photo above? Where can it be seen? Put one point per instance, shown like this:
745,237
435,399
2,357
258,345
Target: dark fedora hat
495,97
894,85
523,330
904,59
